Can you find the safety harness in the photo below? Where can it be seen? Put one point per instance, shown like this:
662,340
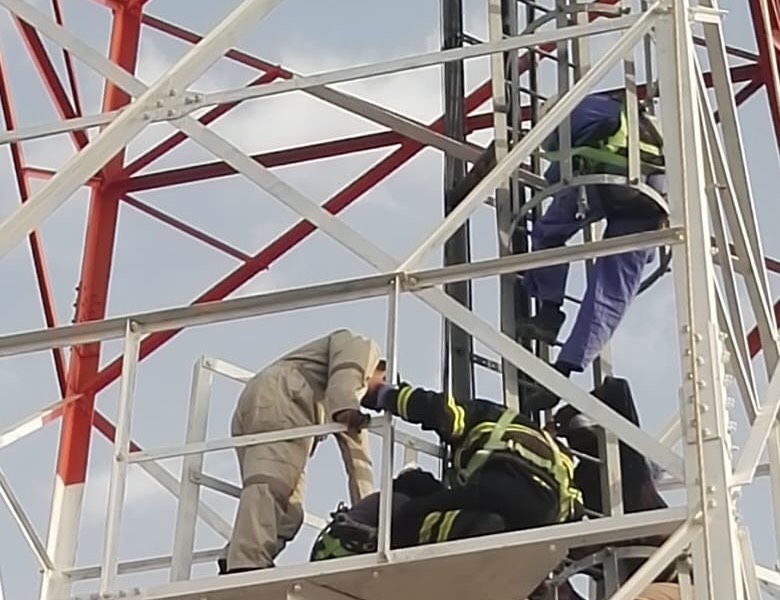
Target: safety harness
614,150
554,472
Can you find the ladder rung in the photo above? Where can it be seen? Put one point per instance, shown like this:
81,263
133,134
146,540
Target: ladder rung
486,362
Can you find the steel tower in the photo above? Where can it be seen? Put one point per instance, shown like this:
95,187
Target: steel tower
676,48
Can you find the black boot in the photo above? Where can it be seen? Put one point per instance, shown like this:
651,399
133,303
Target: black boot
539,398
223,570
544,326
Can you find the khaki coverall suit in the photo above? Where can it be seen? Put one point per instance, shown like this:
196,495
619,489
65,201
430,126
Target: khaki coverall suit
305,387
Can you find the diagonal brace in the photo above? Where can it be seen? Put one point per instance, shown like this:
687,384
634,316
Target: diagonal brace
127,125
766,418
362,247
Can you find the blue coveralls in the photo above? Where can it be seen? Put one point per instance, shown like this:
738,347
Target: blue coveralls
616,278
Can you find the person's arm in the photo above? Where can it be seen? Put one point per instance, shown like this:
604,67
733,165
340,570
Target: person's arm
352,361
356,456
434,411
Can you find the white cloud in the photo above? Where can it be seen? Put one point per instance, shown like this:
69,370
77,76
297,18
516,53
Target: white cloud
142,492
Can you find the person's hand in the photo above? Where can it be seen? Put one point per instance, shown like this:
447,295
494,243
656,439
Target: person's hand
353,419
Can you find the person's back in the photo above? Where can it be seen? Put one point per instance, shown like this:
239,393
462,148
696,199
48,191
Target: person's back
321,381
503,464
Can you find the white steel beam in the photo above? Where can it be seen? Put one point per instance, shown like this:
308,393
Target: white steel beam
192,466
127,125
600,531
752,588
375,256
506,198
211,517
769,579
765,421
744,229
551,379
384,517
143,565
118,481
24,524
33,422
661,558
321,294
421,60
533,139
242,375
311,83
255,439
708,470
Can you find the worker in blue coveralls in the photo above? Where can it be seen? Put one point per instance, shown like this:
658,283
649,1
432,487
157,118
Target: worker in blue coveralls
599,142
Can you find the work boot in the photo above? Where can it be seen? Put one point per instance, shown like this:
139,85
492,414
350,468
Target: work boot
544,326
539,399
223,570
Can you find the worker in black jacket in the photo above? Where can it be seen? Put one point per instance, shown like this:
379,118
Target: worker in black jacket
502,463
355,530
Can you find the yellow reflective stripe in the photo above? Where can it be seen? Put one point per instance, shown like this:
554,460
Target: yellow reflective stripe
427,526
458,416
446,525
561,467
403,400
619,140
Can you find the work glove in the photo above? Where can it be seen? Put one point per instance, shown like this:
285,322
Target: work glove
376,399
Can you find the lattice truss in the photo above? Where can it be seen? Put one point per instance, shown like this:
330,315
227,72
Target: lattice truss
717,288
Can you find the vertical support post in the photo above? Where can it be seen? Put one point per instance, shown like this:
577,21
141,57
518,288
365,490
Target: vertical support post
752,589
535,97
192,466
388,431
118,483
457,250
703,395
502,19
84,362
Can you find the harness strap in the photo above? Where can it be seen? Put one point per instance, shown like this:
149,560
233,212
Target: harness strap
494,442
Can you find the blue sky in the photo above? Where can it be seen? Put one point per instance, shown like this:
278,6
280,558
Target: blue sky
157,267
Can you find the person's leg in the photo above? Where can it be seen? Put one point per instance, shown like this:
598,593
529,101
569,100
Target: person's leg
270,474
611,289
290,519
495,492
548,284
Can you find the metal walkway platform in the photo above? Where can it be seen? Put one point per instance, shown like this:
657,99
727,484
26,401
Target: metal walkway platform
500,567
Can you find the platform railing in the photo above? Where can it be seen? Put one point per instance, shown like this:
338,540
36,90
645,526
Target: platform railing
193,478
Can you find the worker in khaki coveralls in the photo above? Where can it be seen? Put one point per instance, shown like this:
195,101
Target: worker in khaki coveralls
322,381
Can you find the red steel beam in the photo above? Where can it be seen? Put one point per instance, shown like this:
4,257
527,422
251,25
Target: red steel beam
303,229
69,69
187,229
288,156
36,246
766,29
263,259
50,78
95,276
